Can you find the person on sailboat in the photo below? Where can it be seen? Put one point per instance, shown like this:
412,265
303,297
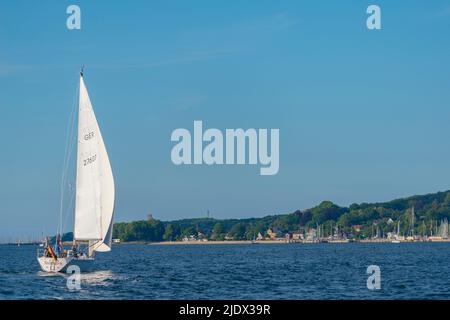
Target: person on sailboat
50,253
56,247
59,248
75,250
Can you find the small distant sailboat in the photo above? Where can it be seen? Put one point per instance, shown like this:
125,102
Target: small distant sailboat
94,202
397,236
411,236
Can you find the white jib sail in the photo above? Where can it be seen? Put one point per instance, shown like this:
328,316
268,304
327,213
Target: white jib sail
94,205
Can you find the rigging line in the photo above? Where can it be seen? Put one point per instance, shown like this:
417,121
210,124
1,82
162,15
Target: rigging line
70,128
66,169
70,149
70,206
71,189
65,166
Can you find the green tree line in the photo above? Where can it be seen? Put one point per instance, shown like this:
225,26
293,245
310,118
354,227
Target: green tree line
429,209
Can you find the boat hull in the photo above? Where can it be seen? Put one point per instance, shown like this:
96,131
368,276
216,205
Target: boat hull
62,264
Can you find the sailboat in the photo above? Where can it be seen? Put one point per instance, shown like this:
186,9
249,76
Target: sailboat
397,236
94,201
411,236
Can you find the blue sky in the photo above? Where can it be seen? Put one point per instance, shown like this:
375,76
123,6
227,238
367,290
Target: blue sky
363,115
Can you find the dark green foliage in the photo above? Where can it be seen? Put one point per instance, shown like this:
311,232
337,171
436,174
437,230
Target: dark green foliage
428,210
139,231
238,231
325,211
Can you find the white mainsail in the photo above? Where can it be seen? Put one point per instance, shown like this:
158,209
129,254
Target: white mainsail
94,205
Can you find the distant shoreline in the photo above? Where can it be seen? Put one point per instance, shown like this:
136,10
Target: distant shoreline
169,243
218,242
236,242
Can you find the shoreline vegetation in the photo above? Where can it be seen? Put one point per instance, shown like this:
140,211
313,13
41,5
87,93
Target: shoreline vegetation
232,242
420,218
241,242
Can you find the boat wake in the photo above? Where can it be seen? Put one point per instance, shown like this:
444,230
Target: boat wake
98,277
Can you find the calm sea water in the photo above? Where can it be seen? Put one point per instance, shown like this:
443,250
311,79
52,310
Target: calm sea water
276,271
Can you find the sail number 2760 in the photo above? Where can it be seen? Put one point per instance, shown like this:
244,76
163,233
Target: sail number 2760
90,160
